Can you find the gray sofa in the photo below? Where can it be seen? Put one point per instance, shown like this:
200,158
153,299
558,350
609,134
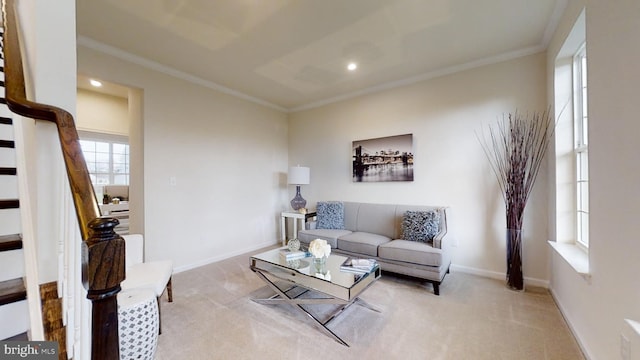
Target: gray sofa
376,231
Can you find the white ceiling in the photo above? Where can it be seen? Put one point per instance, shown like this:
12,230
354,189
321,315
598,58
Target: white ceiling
292,54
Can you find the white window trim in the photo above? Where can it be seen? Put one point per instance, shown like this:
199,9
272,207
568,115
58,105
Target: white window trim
564,244
110,138
580,148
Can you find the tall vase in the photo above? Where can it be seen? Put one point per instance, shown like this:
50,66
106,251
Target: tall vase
515,278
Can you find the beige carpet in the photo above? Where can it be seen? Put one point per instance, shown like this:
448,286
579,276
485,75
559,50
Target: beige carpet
212,317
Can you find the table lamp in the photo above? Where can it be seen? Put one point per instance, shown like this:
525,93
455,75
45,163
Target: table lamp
298,175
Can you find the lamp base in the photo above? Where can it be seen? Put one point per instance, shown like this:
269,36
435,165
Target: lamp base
298,202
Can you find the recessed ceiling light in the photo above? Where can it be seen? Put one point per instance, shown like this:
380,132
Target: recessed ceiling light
95,83
352,66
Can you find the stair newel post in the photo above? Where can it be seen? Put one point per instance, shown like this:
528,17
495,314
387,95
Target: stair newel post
103,268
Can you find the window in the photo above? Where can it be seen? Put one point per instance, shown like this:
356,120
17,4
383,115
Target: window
580,148
571,238
107,161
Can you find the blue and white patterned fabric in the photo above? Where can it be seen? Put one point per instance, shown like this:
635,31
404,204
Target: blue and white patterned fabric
420,226
138,324
330,215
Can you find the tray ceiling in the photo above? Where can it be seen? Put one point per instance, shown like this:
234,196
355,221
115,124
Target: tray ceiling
292,54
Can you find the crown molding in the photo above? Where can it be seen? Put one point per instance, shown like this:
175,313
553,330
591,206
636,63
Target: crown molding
150,64
123,55
425,76
554,21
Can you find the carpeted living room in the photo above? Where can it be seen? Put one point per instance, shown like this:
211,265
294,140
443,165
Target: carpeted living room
386,103
213,317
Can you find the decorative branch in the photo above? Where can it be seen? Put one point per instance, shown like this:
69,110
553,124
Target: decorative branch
516,148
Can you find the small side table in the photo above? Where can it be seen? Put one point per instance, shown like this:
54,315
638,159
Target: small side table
138,323
296,216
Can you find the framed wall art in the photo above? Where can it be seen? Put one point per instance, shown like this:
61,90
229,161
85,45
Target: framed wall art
383,159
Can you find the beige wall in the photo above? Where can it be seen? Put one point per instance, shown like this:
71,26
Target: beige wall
596,308
218,208
228,158
51,64
102,113
136,161
443,114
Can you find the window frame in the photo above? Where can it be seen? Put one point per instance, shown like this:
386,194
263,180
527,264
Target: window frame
580,148
111,140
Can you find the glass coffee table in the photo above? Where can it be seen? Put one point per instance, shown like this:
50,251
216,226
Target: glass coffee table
290,280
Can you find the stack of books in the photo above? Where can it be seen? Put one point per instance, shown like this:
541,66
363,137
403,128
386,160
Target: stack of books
358,266
289,255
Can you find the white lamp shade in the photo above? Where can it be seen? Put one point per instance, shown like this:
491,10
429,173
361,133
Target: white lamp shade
299,175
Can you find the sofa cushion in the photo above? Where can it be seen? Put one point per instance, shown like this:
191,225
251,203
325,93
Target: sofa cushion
420,226
377,219
331,235
351,210
411,252
362,243
330,215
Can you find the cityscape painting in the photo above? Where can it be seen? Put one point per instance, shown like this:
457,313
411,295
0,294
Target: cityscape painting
383,159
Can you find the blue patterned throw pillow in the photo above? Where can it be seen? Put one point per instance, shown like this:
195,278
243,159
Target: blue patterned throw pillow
421,226
330,215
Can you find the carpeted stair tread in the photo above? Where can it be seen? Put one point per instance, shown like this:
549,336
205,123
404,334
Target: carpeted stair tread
12,291
10,242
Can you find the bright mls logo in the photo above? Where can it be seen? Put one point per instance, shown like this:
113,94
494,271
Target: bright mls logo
40,350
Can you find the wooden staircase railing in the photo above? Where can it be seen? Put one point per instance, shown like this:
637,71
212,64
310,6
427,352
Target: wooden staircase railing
103,257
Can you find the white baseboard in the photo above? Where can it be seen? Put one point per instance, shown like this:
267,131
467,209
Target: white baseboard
454,267
583,348
498,275
225,256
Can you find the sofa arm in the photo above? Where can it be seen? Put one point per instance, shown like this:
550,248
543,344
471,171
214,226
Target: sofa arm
444,225
437,240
